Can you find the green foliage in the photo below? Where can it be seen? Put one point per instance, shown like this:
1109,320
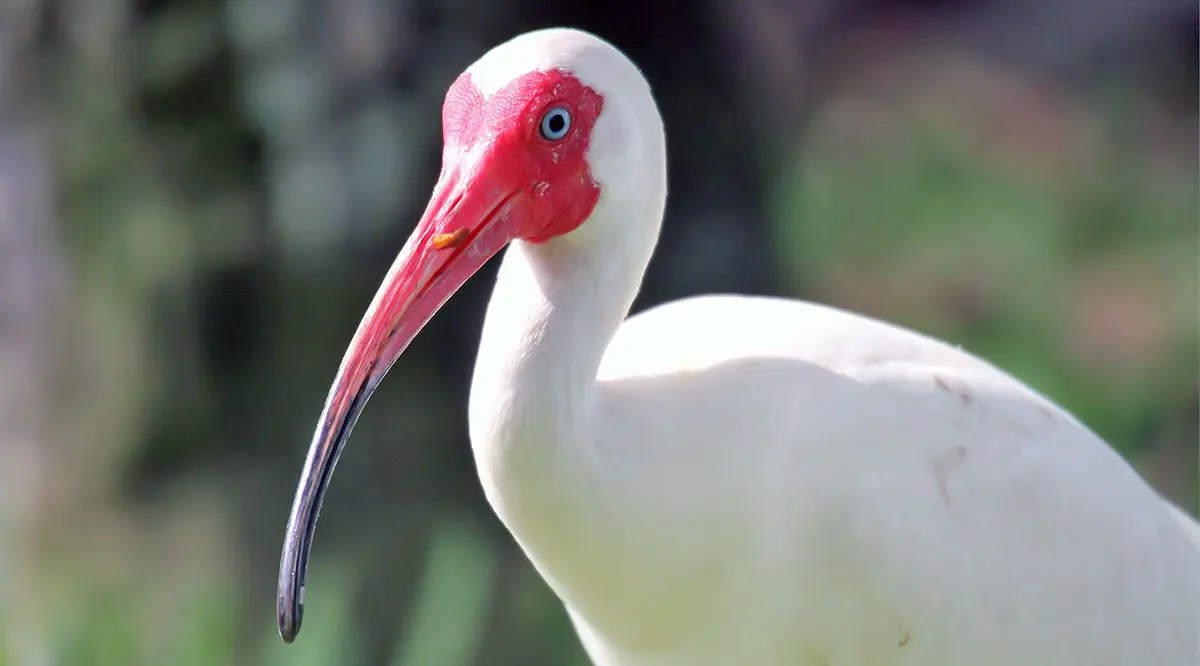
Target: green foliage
1076,272
451,613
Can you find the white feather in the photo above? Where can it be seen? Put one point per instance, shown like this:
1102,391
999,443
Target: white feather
729,480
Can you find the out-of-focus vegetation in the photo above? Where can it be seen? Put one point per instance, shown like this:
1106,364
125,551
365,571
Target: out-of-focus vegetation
198,197
1056,238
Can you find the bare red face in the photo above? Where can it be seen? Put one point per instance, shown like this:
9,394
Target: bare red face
514,167
534,134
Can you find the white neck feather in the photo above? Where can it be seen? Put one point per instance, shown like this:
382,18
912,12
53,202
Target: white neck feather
554,311
555,308
557,305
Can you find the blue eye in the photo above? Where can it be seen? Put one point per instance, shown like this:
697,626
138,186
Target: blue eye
555,124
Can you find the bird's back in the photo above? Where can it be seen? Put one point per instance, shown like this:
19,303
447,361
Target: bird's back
810,487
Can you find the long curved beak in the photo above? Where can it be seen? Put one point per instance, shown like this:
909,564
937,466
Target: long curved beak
468,221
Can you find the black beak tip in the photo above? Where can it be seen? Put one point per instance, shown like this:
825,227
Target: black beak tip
289,622
302,522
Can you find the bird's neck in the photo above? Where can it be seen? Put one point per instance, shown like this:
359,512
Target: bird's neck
555,308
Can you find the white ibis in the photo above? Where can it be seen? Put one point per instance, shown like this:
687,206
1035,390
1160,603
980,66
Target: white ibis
730,480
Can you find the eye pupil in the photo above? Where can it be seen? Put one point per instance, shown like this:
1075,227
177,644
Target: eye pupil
555,124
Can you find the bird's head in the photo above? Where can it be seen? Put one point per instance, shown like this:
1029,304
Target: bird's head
551,137
538,132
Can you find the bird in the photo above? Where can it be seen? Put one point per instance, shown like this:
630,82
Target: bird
730,479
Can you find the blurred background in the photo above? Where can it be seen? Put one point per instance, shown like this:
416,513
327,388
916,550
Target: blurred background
198,199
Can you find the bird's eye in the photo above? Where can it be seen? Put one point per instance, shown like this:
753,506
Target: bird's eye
555,124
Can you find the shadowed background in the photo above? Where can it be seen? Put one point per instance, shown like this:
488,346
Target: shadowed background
198,199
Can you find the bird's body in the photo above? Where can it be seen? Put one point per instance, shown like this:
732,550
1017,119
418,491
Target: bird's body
733,480
844,492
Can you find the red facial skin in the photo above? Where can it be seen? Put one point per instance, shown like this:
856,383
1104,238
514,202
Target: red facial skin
553,174
501,180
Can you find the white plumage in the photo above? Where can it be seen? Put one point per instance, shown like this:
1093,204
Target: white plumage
730,480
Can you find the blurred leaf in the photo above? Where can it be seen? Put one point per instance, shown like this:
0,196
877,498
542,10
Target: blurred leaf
450,613
208,628
104,632
178,40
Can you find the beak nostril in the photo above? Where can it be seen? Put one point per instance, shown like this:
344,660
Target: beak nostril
449,240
